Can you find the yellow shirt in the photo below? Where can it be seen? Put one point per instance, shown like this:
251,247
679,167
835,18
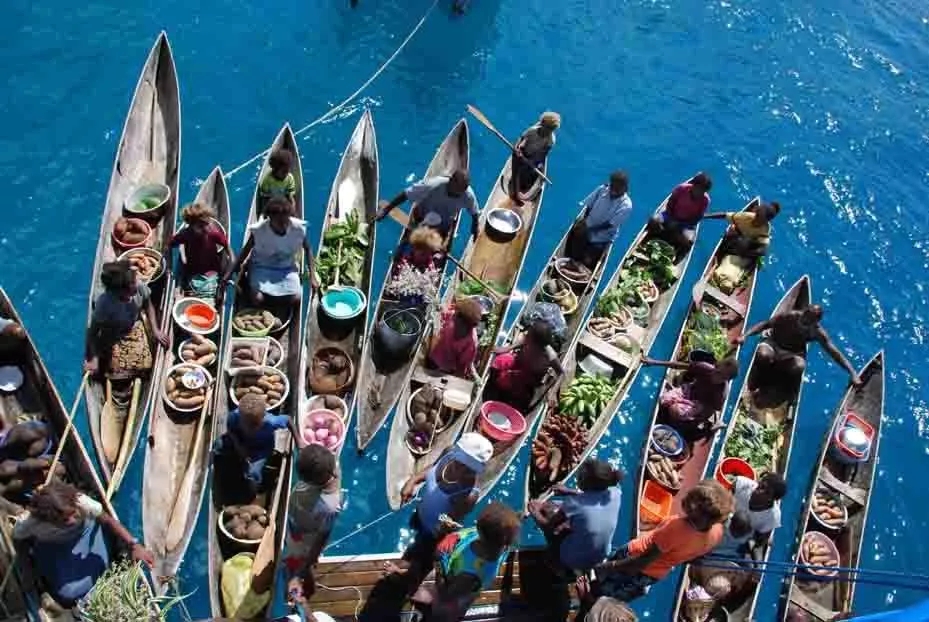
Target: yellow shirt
744,222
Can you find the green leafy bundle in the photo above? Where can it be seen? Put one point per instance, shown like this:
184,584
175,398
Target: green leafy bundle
586,398
121,594
753,443
344,247
704,332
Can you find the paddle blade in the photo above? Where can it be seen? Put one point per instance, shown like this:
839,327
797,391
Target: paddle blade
480,116
111,427
697,292
400,217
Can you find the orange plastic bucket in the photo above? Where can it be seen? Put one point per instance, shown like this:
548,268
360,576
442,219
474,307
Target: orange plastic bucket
734,467
655,504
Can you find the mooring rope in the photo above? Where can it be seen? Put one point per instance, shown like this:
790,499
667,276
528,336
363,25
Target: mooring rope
333,111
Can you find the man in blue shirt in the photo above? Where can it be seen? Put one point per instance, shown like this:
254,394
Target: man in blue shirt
605,211
446,197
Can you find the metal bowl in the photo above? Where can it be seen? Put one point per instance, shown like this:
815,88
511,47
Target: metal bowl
502,224
487,304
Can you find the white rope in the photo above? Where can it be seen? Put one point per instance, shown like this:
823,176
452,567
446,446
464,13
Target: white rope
332,112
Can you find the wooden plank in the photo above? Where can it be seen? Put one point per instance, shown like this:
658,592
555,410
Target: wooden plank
856,494
605,350
423,376
727,300
803,600
351,599
367,579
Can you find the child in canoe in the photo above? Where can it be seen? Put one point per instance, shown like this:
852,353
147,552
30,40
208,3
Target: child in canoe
279,181
423,251
242,456
206,250
118,340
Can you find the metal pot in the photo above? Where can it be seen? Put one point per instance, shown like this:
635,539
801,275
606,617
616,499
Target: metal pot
502,224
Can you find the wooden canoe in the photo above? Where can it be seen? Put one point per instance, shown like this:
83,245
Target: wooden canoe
764,400
380,381
172,436
290,340
736,307
505,454
149,152
37,399
825,600
625,365
499,265
356,182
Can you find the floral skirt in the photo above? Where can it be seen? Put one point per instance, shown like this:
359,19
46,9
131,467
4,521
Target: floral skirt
132,354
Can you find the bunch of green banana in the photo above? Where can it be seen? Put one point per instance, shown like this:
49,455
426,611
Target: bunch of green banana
586,397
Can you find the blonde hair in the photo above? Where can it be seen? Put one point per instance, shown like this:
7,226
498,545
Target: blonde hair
426,237
196,212
550,119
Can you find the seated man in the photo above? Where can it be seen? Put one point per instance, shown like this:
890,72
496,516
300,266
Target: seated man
605,211
444,196
783,349
684,210
749,233
518,370
241,455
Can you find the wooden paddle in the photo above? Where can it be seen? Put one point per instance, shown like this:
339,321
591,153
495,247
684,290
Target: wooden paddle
697,292
64,435
480,116
107,416
123,458
403,220
183,499
263,566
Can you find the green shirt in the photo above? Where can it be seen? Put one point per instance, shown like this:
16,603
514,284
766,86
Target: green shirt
271,186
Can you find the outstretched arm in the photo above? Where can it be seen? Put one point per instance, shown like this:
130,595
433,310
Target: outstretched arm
233,268
836,354
385,206
648,362
754,330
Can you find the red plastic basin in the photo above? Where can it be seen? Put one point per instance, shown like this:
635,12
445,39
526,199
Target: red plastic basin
501,422
735,467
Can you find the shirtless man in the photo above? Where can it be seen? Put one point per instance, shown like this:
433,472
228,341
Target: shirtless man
790,332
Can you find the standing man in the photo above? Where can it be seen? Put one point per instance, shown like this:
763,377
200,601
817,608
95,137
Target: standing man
443,196
606,209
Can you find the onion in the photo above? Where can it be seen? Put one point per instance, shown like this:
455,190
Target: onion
318,421
321,434
332,441
335,426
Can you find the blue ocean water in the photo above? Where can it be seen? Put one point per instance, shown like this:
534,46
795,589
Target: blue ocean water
821,106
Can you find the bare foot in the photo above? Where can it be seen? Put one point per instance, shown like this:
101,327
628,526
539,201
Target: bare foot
390,568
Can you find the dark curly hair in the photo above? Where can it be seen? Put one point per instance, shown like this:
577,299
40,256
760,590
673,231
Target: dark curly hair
708,502
281,160
278,206
498,526
117,275
596,475
54,503
316,464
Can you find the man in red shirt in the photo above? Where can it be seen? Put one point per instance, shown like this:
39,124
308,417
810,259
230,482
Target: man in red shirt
685,208
650,557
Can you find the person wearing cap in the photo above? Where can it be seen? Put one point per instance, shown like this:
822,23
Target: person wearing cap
580,528
315,503
449,489
749,232
605,211
443,196
529,153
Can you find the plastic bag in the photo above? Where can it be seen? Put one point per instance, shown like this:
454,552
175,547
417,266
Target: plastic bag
236,588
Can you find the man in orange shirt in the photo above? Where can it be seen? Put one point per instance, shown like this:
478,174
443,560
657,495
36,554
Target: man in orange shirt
649,558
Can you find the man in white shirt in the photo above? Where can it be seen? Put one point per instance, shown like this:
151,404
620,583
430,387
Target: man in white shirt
606,209
762,501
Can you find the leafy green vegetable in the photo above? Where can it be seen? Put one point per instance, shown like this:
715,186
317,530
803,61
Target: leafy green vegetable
586,398
753,442
343,251
471,287
704,332
121,594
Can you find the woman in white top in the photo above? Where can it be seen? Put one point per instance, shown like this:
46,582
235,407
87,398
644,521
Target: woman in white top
271,251
62,536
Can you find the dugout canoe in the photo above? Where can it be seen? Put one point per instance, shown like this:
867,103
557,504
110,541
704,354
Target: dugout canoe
149,152
732,309
767,401
381,378
37,399
290,339
625,364
352,202
498,264
504,454
852,485
178,452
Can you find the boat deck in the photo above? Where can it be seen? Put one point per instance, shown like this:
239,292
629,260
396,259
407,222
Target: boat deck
352,585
